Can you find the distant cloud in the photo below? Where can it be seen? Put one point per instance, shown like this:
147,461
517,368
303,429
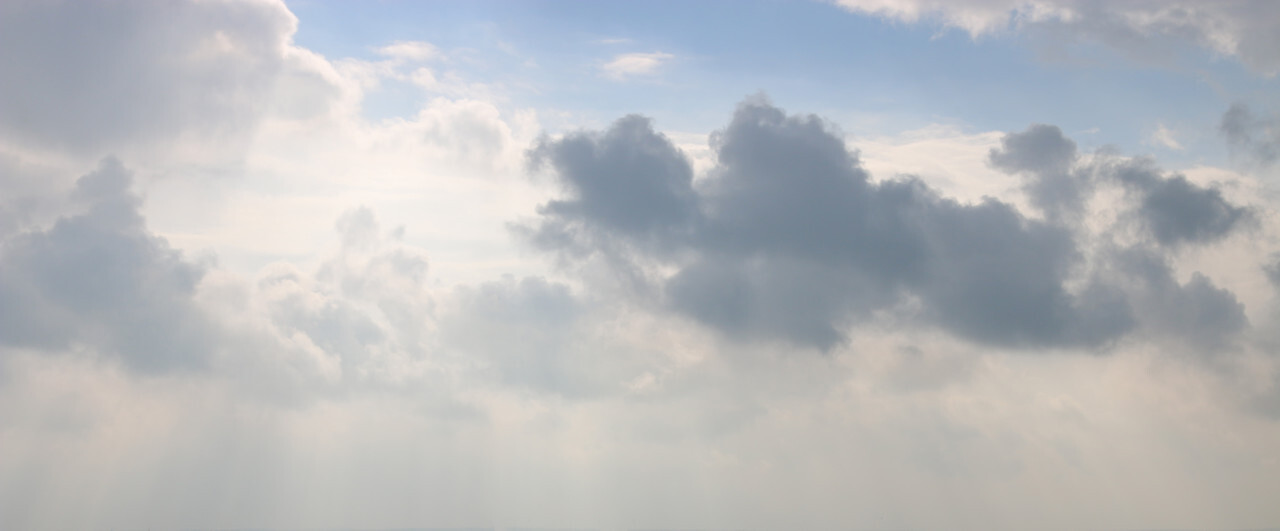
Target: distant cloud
635,64
410,51
1163,136
1243,29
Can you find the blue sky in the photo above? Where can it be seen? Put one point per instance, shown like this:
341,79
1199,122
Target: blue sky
837,63
858,264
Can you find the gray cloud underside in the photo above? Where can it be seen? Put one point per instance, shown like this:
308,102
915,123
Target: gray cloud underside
788,238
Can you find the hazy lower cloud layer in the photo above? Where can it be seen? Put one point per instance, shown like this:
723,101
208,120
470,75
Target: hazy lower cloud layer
250,280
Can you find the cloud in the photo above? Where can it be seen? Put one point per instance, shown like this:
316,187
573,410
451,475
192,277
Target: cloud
629,65
1195,313
1255,136
627,180
1175,210
1272,269
410,51
1235,28
94,78
1163,136
789,239
1048,159
99,279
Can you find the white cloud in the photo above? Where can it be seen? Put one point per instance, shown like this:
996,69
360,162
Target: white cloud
410,51
1164,137
1243,29
630,65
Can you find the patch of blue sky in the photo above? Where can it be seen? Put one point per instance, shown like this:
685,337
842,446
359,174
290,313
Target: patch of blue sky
808,57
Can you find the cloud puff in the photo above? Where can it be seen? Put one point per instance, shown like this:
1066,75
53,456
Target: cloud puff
627,180
629,65
1233,28
1047,159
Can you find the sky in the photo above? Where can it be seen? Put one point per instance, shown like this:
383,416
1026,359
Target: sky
552,265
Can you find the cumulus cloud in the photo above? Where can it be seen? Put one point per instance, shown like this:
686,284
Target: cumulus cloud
1234,28
98,278
1048,159
1172,209
788,238
1175,210
630,65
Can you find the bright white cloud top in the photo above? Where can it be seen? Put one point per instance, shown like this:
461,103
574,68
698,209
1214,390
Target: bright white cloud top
854,265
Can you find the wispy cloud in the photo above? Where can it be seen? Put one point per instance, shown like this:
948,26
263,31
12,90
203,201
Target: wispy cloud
410,51
635,64
1163,137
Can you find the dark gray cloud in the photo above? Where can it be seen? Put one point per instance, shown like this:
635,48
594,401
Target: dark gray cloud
1175,210
628,181
99,279
1255,136
788,239
1046,159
